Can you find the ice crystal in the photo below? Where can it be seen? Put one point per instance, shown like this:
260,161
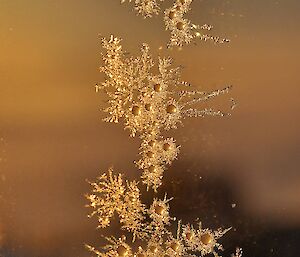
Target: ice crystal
182,30
147,8
150,226
150,103
110,195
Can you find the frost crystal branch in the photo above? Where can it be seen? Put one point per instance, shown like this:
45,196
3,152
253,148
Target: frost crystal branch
182,30
150,103
151,226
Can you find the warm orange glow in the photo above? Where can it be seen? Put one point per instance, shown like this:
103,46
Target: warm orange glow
50,118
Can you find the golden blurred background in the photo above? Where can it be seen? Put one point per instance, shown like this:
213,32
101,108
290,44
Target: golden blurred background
52,137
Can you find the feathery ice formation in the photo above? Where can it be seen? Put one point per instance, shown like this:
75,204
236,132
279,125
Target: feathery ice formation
150,104
182,30
151,227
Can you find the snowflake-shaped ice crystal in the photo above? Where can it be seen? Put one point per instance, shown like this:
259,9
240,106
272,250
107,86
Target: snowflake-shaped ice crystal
149,103
150,228
182,30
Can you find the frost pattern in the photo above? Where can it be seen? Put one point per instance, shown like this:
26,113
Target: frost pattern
182,30
150,103
151,226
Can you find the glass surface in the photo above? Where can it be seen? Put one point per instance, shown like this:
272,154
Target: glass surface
241,171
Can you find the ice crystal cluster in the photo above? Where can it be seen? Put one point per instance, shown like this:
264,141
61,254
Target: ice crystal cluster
149,103
182,30
151,227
